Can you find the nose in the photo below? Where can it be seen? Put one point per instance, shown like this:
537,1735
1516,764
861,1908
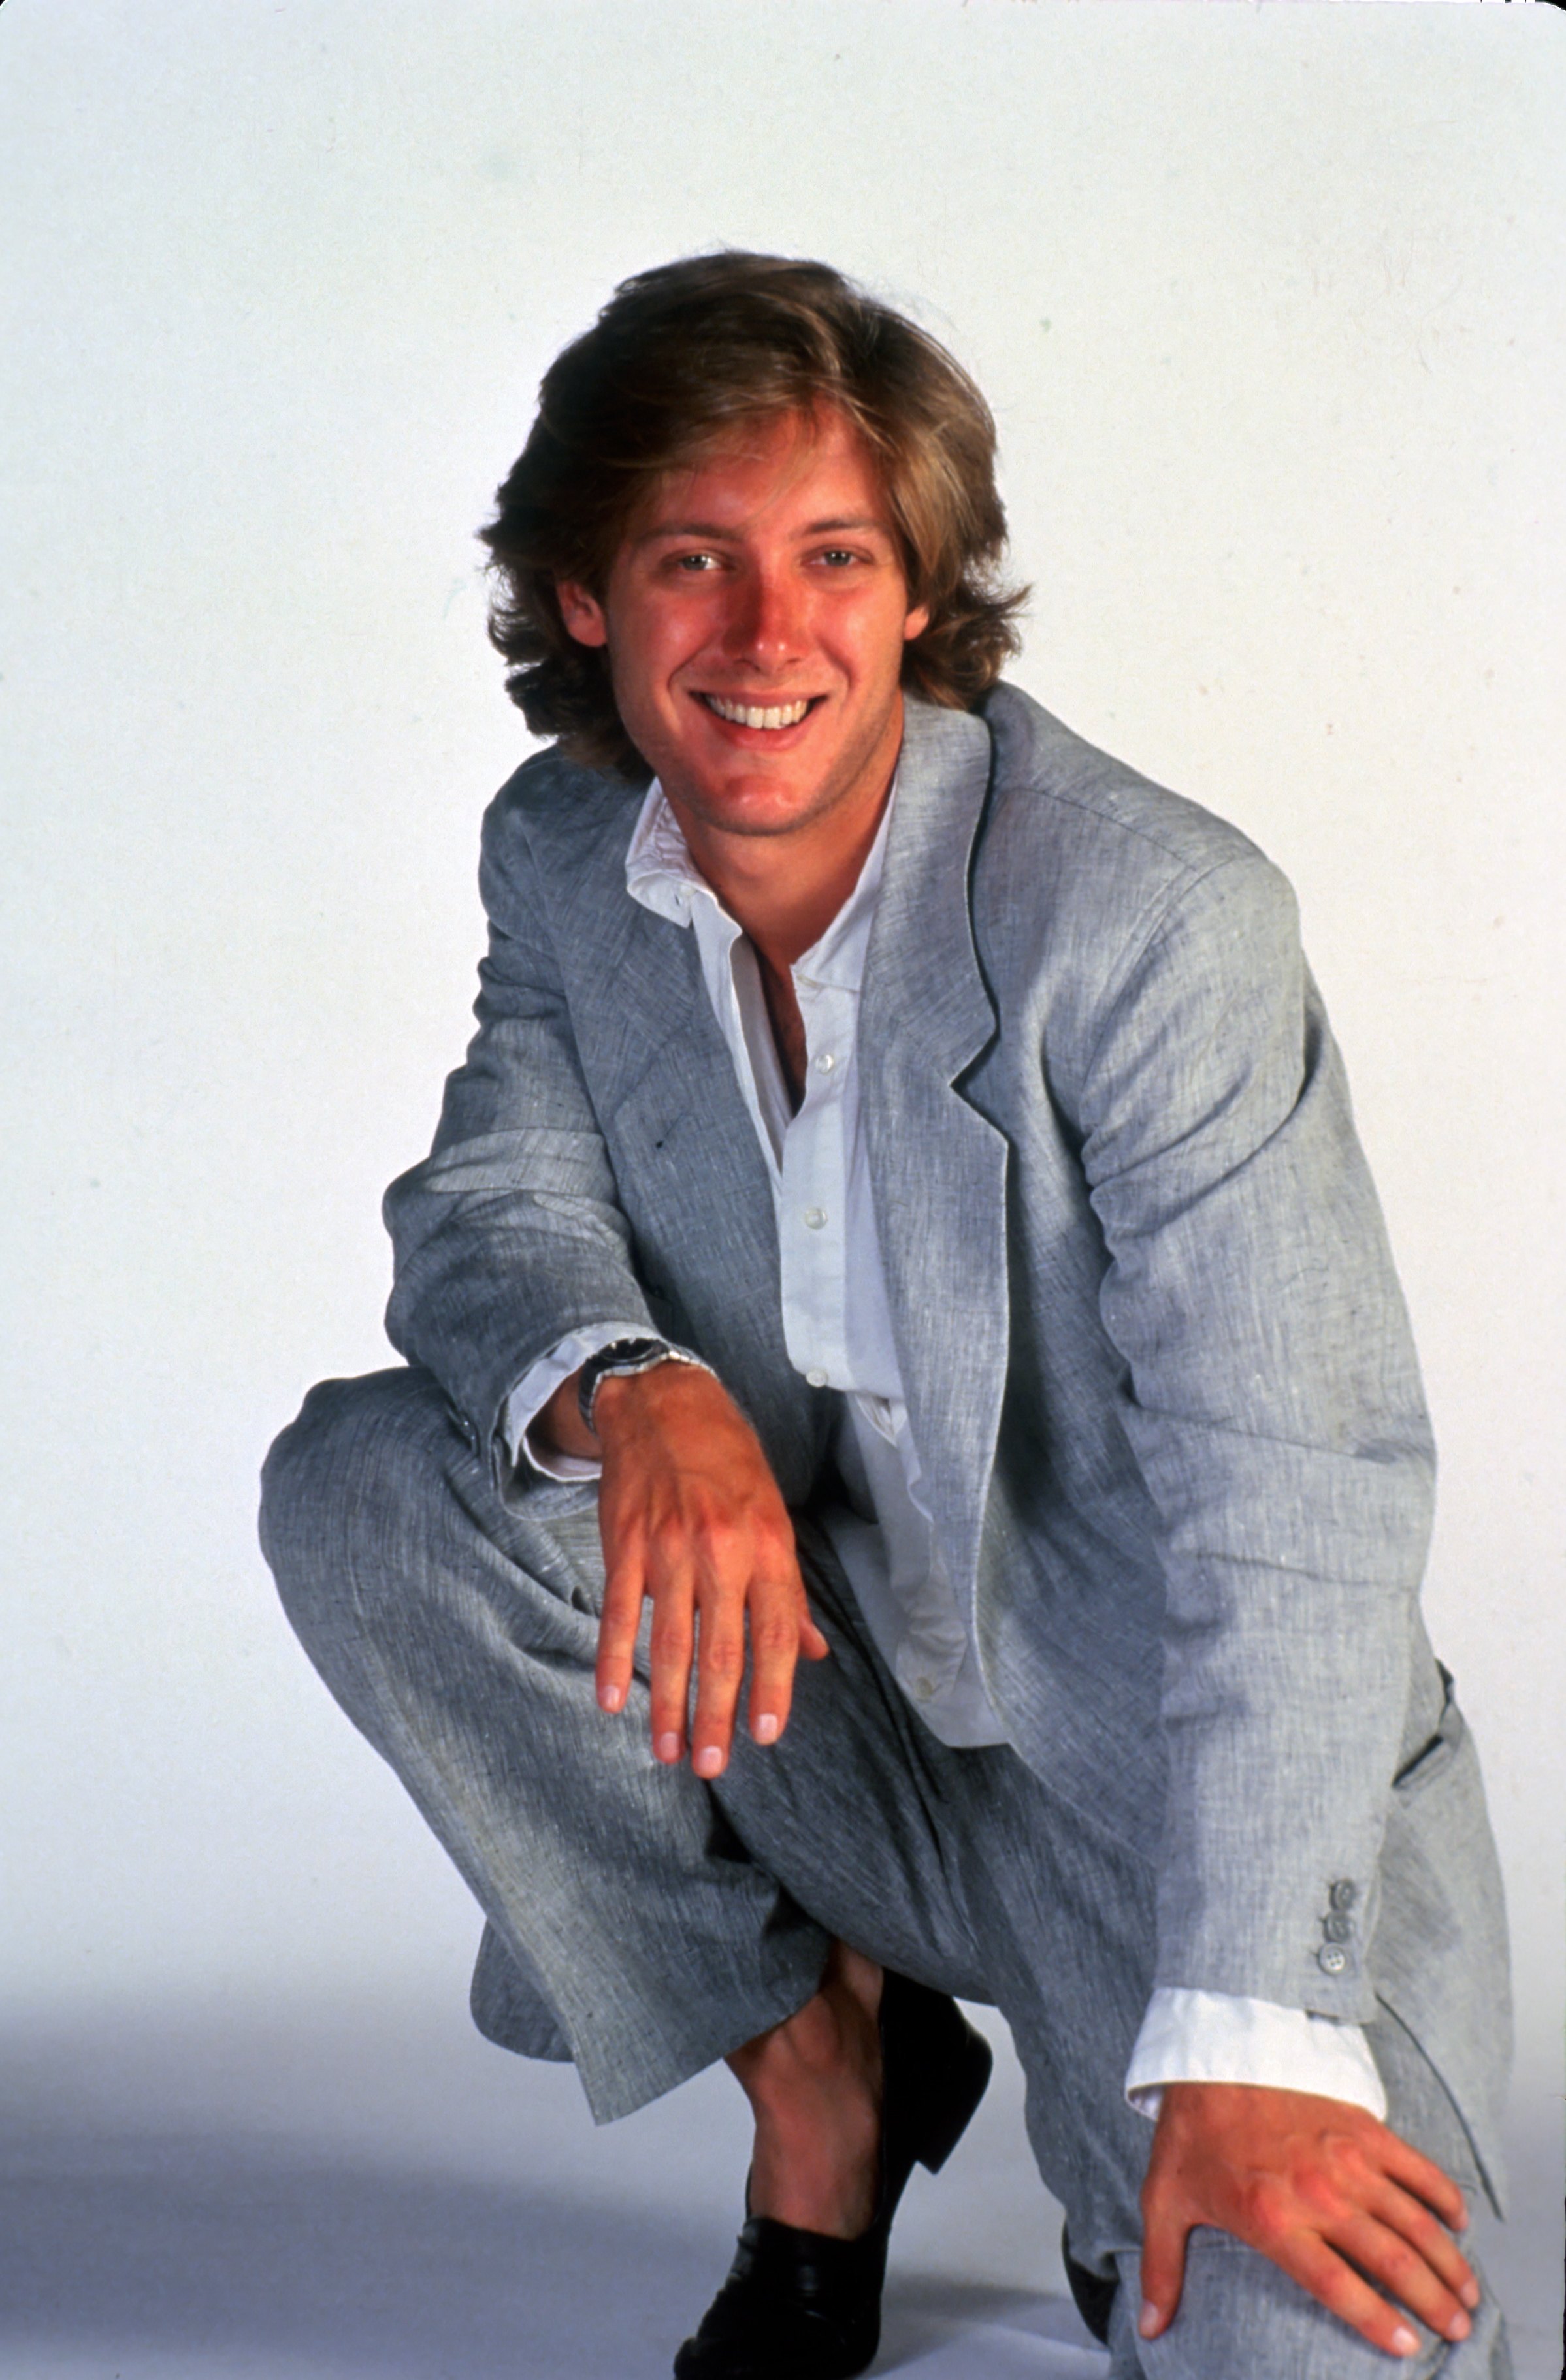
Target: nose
767,622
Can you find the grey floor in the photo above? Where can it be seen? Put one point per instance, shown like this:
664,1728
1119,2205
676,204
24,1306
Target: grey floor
303,2195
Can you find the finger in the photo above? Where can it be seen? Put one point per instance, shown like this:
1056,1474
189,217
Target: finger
1409,2216
1163,2233
720,1667
671,1646
1307,2259
1425,2180
617,1625
1393,2264
777,1617
813,1645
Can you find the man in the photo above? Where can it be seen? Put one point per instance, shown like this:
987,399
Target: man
912,1479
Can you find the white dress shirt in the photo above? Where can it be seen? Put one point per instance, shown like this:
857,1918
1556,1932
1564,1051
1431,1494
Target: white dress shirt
837,1324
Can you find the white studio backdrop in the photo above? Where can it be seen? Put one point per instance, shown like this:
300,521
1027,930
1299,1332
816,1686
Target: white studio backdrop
1268,304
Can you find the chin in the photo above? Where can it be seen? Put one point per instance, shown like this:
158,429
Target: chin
756,813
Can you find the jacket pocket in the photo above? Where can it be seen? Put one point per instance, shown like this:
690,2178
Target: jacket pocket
1439,1750
1438,1958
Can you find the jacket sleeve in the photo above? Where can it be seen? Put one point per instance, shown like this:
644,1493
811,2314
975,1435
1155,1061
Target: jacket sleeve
509,1235
1272,1402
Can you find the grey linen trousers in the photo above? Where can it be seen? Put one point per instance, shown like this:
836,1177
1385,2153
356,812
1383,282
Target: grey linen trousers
642,1923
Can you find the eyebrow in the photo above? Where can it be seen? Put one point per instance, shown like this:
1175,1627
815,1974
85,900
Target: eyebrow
715,533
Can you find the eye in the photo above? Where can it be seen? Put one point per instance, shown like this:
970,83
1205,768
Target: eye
693,565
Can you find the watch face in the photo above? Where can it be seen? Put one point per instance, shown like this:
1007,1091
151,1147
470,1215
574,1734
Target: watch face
626,1353
621,1355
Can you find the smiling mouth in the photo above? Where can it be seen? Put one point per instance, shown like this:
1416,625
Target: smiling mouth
749,714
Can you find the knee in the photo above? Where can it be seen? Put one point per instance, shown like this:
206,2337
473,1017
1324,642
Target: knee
349,1468
1241,2315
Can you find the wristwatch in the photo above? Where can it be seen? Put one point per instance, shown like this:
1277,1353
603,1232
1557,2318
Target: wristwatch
621,1359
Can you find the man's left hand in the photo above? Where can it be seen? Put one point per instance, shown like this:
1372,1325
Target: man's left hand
1329,2193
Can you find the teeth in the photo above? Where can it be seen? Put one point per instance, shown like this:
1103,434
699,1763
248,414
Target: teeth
742,714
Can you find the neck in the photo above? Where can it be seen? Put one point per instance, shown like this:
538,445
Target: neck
785,908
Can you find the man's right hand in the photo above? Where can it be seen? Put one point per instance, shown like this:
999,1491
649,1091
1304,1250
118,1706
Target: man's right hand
692,1517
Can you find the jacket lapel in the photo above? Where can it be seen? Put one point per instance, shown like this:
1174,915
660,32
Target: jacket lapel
665,1087
937,1167
633,979
692,1178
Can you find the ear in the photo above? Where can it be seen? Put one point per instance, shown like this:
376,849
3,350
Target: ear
914,625
583,613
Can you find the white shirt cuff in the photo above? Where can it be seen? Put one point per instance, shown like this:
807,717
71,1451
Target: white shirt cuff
536,1386
1216,2037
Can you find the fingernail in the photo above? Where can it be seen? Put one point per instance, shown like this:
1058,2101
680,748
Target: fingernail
667,1747
708,1761
1459,2326
765,1729
611,1697
1147,2319
1404,2341
1470,2293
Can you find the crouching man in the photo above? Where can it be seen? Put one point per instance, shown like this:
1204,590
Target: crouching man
911,1480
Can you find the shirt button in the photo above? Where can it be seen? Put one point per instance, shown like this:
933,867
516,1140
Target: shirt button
1331,1958
924,1688
816,1218
817,1379
825,1062
1344,1894
1337,1927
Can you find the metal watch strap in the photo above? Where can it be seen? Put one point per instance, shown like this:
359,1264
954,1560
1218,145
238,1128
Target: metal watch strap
622,1359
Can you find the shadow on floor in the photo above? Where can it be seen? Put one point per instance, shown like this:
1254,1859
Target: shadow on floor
222,2253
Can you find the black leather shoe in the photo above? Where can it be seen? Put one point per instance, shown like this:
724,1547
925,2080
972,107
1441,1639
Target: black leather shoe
800,2305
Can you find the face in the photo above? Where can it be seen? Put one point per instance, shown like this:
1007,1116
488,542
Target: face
755,617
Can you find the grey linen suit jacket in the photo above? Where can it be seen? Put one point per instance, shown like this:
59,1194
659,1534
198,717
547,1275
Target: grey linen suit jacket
1155,1357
